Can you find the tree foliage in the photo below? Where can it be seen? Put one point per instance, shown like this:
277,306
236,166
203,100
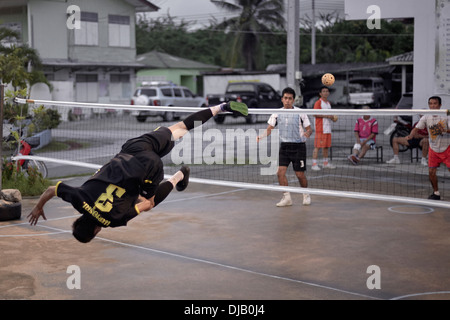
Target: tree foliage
19,65
351,41
337,41
254,19
163,34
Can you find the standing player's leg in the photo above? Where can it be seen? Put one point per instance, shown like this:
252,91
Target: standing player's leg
299,166
282,180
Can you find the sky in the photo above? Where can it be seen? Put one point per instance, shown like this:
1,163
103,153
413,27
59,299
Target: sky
202,11
193,10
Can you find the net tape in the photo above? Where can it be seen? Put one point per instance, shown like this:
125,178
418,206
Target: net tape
267,111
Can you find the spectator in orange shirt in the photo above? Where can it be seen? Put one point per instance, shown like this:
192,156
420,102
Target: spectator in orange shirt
322,139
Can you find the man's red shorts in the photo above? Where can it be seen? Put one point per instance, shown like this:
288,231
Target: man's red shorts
322,140
435,159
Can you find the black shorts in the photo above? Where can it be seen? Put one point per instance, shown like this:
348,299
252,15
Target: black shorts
414,143
293,152
159,141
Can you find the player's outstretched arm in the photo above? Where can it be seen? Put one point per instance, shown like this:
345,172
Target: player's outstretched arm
145,204
38,210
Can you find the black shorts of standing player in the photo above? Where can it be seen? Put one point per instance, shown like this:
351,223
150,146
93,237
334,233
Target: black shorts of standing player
295,153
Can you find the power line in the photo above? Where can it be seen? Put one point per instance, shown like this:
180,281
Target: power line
320,34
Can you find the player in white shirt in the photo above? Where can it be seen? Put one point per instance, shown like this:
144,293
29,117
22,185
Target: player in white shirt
294,129
439,140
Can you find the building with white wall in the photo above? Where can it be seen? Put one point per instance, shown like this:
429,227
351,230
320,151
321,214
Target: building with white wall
431,41
88,48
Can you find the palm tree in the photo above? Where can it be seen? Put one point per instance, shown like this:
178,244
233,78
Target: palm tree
254,18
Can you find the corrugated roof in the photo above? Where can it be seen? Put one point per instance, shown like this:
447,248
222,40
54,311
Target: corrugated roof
402,59
310,70
143,5
78,63
159,60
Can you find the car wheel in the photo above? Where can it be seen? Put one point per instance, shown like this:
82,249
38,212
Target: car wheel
251,119
141,118
168,116
142,100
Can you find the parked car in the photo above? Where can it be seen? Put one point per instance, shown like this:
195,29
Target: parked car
368,91
164,94
254,94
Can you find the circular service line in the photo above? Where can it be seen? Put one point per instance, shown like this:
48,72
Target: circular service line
408,209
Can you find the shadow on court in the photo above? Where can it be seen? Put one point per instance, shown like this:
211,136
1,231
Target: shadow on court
211,243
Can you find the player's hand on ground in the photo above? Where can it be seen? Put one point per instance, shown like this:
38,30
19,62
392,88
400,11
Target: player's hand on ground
33,217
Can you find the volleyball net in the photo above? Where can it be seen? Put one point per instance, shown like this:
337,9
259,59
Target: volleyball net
224,151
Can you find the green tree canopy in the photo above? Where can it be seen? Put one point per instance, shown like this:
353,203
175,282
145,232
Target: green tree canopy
255,19
19,65
341,41
337,41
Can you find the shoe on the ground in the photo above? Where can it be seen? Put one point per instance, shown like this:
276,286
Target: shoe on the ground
434,197
424,162
315,167
393,161
353,159
236,107
285,201
328,165
306,199
181,185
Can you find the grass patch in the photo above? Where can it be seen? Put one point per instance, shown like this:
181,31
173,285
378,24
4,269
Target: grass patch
29,183
62,146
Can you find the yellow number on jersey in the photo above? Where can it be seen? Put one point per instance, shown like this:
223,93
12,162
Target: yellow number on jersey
104,202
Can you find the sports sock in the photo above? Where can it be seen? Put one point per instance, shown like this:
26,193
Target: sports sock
177,177
197,118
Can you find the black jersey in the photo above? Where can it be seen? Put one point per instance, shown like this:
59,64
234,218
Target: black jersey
110,195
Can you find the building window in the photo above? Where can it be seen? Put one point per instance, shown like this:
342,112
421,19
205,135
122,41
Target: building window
87,35
120,86
86,87
119,31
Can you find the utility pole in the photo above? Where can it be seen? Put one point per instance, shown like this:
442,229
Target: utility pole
293,74
313,33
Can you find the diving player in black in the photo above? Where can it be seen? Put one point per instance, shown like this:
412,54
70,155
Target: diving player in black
130,183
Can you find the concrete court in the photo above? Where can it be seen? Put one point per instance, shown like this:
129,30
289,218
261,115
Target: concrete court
219,243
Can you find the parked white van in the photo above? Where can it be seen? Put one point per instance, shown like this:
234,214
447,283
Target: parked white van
368,91
164,94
